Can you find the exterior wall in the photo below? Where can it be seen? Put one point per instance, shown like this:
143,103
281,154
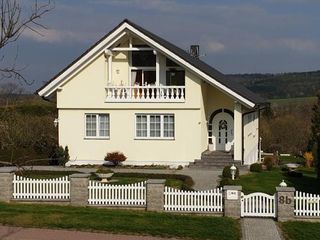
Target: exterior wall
185,148
251,137
120,69
85,93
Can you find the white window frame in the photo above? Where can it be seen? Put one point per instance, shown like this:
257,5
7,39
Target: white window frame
97,126
161,126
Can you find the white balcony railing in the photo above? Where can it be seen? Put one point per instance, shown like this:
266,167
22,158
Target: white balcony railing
145,94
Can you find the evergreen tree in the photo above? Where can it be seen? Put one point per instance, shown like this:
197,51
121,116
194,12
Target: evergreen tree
315,129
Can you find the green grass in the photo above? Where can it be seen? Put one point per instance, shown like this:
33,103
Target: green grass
298,230
44,174
291,101
120,221
291,159
266,181
172,180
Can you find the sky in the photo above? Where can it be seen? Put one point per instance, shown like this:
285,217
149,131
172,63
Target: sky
235,36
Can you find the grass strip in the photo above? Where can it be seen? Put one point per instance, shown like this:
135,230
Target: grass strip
299,230
119,221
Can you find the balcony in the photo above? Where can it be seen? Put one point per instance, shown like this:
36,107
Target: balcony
147,94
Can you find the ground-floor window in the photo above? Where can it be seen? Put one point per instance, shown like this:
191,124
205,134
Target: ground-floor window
155,126
97,125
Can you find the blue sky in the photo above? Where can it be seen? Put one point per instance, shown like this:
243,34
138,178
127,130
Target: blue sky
235,36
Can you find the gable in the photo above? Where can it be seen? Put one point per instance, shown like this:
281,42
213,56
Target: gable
203,70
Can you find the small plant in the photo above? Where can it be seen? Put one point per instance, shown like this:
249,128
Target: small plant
226,173
256,167
308,159
103,169
115,157
269,162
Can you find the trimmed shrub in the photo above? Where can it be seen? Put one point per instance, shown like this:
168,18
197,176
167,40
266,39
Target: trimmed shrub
226,181
269,162
226,173
115,157
255,167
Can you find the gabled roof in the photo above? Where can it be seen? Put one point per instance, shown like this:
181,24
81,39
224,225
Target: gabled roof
207,72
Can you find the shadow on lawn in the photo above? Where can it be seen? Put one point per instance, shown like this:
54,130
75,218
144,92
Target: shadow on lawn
305,183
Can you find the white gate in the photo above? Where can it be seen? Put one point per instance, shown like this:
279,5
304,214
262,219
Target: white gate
258,205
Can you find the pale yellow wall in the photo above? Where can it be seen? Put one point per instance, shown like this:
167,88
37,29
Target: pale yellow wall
120,69
217,100
182,150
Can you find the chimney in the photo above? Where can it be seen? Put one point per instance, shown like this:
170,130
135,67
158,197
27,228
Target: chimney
195,51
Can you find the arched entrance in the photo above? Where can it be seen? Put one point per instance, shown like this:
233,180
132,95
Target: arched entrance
221,130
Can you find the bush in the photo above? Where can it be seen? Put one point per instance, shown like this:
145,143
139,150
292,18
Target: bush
226,181
269,162
103,169
226,173
255,167
115,158
59,155
308,159
179,167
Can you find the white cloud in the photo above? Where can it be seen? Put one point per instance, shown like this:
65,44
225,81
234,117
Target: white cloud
293,44
214,46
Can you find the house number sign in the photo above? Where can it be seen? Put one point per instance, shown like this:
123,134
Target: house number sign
232,194
285,200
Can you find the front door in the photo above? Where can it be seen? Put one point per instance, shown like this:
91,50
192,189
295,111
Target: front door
222,132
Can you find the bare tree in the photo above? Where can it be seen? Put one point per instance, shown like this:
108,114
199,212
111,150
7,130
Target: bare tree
14,19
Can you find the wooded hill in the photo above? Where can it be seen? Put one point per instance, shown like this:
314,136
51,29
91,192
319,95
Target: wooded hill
282,85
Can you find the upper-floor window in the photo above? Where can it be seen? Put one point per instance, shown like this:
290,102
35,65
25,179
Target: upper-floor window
97,125
143,59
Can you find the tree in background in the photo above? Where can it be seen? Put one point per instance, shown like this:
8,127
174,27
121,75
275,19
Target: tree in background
14,19
315,129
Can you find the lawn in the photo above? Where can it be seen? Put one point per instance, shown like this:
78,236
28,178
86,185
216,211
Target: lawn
301,230
172,180
44,174
119,221
266,181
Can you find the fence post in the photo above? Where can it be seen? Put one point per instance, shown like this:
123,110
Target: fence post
6,185
232,201
285,203
155,195
79,192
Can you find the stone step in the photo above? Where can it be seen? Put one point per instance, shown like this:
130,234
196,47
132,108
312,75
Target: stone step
215,161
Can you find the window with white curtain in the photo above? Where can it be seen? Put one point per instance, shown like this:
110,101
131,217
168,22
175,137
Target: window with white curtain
155,126
97,125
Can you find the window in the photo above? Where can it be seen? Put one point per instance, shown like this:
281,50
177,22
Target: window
155,126
97,126
143,59
175,78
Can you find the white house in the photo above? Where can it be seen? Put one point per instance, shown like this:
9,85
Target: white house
136,93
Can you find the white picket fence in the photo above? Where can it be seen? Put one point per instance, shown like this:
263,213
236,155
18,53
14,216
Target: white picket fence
193,201
306,204
43,189
117,195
